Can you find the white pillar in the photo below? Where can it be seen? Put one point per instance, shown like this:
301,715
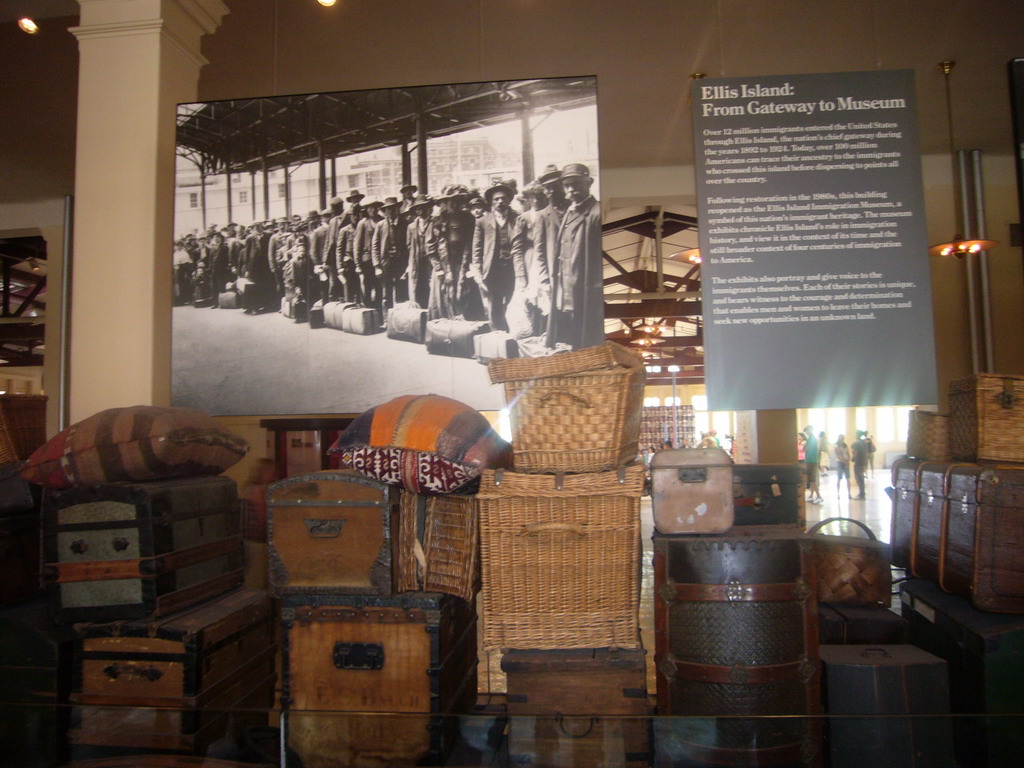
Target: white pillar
138,59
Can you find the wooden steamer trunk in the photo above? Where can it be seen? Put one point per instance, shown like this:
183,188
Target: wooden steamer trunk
332,531
983,652
692,490
411,659
577,708
177,683
736,639
130,550
769,494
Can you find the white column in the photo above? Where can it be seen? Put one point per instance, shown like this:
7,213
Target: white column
138,59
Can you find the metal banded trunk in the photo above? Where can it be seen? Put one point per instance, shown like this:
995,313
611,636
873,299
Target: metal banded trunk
332,531
736,639
769,494
132,550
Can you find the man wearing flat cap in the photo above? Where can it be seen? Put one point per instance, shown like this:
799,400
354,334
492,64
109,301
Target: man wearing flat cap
362,245
421,240
277,254
491,264
578,282
390,258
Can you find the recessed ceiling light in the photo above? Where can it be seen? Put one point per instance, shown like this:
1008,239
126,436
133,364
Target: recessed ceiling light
27,25
326,3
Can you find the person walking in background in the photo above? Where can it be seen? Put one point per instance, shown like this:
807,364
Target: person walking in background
871,453
859,452
823,461
811,459
841,452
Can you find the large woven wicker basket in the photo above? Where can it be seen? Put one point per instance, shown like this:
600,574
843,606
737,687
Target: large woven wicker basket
574,411
928,435
986,418
850,569
560,559
23,418
438,544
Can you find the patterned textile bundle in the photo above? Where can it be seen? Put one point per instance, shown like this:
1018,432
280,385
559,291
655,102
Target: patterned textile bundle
424,443
135,444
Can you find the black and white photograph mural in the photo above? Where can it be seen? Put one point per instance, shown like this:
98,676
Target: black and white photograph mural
335,250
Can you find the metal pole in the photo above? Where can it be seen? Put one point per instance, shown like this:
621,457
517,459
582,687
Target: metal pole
980,234
659,222
421,155
65,316
675,413
231,216
968,234
527,134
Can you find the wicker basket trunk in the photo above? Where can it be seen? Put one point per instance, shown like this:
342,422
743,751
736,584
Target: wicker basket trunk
560,559
987,418
928,435
575,411
438,545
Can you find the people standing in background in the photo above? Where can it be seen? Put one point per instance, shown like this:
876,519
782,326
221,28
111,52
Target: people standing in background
823,449
841,451
811,459
871,453
859,454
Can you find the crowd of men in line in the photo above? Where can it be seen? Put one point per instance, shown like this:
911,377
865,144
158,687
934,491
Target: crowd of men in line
527,261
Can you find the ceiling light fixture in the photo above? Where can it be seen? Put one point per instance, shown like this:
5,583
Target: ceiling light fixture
28,26
326,3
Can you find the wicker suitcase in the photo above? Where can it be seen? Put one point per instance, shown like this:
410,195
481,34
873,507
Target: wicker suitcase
363,321
35,680
736,638
560,559
882,682
19,558
769,494
986,418
407,323
23,419
986,677
582,707
851,569
573,411
438,545
131,550
332,531
692,490
904,510
928,435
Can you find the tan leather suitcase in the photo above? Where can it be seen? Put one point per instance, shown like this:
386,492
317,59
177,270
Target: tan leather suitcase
692,490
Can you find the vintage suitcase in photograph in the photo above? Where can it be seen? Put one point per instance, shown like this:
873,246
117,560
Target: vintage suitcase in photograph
886,681
583,707
736,638
363,321
17,496
412,654
496,344
131,550
453,338
333,313
228,300
904,510
439,544
852,569
576,411
35,680
982,558
294,309
983,652
332,531
560,559
840,624
692,490
986,418
769,494
316,315
19,558
169,683
407,323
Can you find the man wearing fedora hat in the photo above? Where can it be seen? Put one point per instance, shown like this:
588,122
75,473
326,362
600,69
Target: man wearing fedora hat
390,258
421,241
277,254
362,245
531,243
491,264
337,208
578,281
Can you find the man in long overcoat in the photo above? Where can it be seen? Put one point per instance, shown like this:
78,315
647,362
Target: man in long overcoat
579,289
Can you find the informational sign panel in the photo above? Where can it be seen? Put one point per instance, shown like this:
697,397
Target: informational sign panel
815,276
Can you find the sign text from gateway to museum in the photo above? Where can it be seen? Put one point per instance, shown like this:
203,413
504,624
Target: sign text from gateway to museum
812,231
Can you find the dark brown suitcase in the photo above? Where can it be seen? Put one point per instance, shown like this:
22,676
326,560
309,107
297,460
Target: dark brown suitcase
840,624
345,657
882,682
904,510
332,531
172,683
19,558
930,528
132,550
35,681
736,630
579,707
769,494
956,554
